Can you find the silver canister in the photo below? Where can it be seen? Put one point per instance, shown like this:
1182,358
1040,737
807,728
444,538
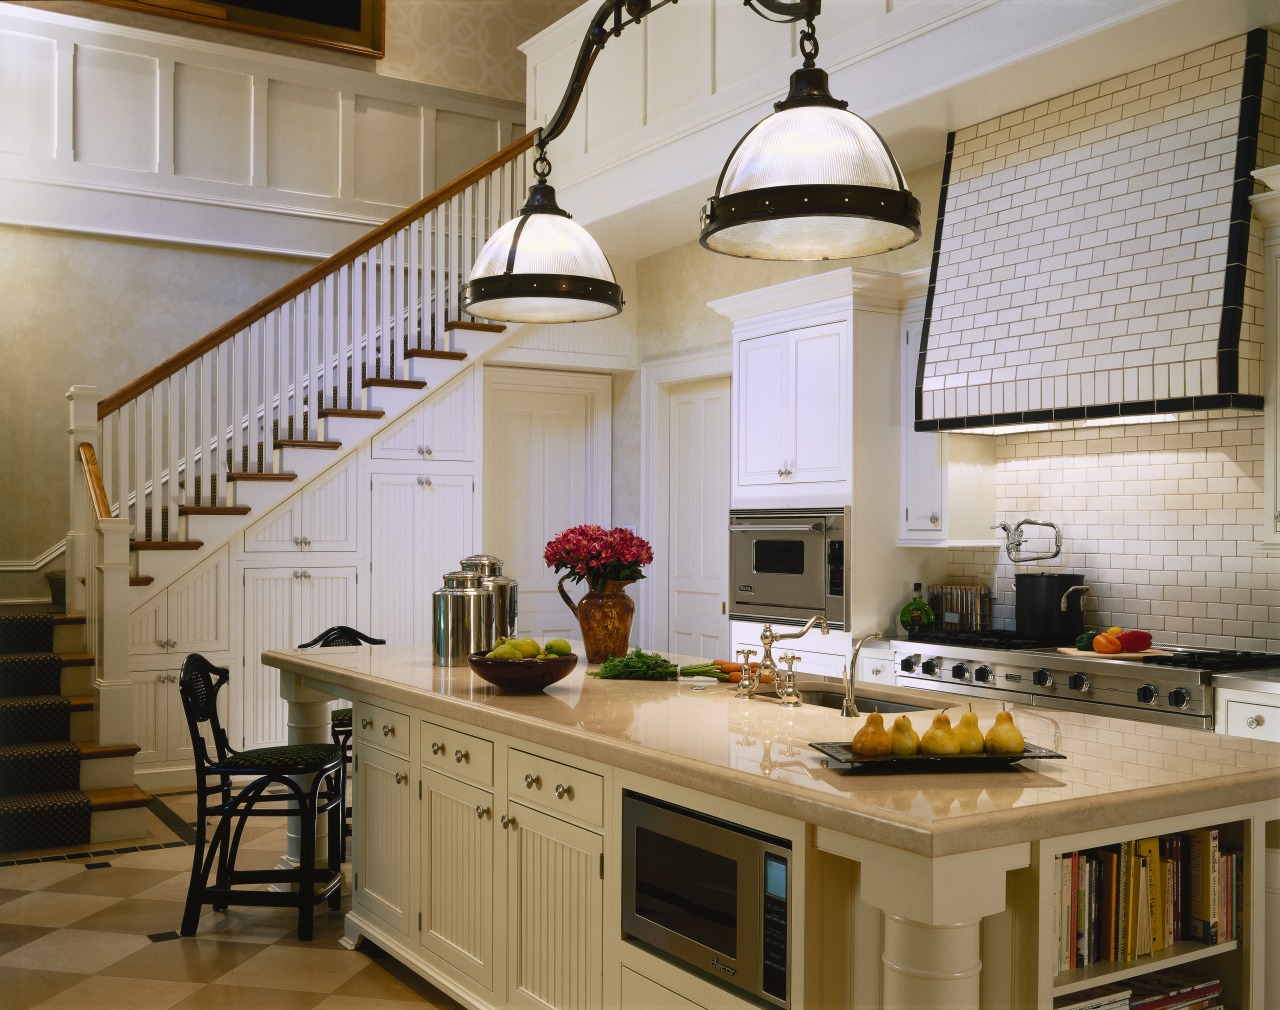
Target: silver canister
504,589
462,619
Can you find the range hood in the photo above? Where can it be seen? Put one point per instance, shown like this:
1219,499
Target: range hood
1093,257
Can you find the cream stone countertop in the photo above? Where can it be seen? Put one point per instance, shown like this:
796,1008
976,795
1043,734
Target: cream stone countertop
697,734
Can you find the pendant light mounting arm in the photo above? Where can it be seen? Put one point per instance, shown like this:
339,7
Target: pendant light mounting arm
609,21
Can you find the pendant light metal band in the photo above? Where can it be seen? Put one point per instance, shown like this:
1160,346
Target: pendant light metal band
892,207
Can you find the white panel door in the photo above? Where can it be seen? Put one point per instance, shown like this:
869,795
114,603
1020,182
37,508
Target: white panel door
328,598
272,597
698,513
763,428
394,611
382,796
329,511
197,607
819,375
546,467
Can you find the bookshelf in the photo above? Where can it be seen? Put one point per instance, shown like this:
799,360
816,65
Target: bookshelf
1236,962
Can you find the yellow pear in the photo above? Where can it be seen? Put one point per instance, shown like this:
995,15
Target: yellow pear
873,740
905,739
1004,737
940,738
968,736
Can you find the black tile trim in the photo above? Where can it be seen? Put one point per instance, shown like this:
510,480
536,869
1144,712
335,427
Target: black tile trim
933,278
1132,408
172,821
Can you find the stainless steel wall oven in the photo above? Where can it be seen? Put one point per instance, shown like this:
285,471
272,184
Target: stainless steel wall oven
709,895
785,565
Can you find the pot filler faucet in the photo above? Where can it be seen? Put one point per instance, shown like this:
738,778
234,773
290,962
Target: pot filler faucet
787,693
1013,538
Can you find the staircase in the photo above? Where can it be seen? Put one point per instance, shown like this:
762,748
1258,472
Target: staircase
51,773
186,456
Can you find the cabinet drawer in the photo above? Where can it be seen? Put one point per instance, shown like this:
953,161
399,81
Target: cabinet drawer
381,728
452,752
557,788
1253,720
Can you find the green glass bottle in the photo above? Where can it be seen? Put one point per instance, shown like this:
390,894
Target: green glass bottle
916,614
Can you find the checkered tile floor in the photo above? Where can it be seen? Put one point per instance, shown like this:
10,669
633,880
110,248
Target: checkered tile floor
98,931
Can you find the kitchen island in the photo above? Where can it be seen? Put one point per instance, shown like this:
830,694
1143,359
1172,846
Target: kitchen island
487,836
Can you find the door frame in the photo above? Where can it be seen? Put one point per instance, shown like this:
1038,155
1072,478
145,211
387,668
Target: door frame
656,380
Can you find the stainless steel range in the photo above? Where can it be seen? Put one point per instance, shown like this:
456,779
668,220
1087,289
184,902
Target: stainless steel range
1175,690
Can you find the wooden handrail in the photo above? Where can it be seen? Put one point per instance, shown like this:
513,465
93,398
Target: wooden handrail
93,478
321,270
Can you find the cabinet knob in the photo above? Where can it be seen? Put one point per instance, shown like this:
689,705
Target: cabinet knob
507,822
1254,721
388,730
481,811
532,781
461,755
366,723
564,792
426,450
934,518
401,778
424,482
297,541
306,541
437,748
297,574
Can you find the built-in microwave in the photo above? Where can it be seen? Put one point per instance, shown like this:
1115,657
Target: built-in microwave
712,896
785,565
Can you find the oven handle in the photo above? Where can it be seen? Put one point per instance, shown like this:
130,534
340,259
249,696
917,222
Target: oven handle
806,528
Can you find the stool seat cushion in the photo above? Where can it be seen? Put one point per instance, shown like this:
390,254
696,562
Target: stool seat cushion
340,717
298,758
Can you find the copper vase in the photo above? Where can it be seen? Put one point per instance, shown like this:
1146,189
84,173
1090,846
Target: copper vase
604,616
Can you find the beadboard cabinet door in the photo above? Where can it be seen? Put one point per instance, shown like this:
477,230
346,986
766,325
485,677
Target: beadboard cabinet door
284,607
382,796
443,430
553,876
322,517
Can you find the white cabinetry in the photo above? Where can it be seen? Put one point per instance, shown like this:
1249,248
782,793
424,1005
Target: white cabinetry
319,518
819,655
792,413
423,524
948,479
444,429
284,607
1246,711
382,796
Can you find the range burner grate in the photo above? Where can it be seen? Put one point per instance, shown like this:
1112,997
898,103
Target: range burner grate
1216,661
994,638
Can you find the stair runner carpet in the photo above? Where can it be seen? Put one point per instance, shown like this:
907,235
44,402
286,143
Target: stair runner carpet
41,804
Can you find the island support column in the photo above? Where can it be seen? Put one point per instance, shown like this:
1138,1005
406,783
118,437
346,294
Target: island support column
933,910
308,723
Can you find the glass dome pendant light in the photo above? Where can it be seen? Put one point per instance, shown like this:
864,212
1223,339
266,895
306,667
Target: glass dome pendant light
812,181
541,266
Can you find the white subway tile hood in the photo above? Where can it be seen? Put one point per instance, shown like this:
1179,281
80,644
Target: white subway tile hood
1094,254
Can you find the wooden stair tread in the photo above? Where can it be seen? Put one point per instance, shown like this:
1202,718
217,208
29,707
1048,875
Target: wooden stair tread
349,412
165,545
462,324
425,352
76,658
97,751
141,580
68,619
307,443
121,798
213,510
251,476
81,703
376,383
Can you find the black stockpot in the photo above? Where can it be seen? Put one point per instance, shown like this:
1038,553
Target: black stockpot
1050,606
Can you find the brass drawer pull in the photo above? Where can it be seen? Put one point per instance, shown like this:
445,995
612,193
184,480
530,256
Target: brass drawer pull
481,811
388,730
401,778
366,723
437,748
532,781
461,755
564,792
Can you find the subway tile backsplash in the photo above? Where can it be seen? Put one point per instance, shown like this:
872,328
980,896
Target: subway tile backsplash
1164,521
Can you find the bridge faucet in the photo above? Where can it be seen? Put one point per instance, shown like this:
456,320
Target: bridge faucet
848,707
767,638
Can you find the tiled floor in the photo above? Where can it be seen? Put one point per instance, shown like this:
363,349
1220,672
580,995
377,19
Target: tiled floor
98,931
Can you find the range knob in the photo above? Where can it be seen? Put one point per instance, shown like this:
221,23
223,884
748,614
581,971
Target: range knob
983,675
1147,694
1042,678
1178,697
929,667
908,664
960,671
1078,682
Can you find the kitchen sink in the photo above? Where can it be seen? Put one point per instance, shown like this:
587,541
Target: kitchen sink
831,696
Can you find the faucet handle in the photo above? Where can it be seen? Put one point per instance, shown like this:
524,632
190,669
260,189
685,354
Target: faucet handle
790,659
745,655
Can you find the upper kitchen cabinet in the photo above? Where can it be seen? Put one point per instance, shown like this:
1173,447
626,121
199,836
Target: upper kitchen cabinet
320,517
948,479
792,435
442,430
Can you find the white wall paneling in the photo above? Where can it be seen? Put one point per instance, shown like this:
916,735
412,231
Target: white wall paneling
107,128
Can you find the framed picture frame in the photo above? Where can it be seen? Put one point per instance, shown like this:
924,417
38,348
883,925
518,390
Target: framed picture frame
356,26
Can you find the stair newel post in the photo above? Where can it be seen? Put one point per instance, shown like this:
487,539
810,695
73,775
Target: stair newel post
83,428
108,638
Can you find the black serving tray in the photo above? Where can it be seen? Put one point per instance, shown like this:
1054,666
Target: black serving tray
843,753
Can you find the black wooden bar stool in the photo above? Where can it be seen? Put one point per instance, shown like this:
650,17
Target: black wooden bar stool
301,781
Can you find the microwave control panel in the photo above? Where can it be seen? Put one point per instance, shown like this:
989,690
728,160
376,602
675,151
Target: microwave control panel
774,933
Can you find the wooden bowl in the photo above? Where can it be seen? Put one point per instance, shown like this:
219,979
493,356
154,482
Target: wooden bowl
522,676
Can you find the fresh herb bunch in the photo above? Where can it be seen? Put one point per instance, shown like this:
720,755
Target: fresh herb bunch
640,665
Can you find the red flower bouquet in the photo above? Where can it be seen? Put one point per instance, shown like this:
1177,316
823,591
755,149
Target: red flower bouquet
598,555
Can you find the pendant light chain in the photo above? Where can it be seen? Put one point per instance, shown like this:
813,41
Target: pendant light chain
809,44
